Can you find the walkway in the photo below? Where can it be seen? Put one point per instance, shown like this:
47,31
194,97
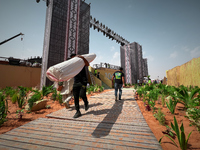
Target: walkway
106,125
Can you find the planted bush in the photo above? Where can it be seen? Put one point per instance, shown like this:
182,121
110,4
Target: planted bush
20,114
3,109
37,96
194,116
163,100
54,95
59,98
95,88
22,95
187,98
14,98
46,90
183,142
160,116
171,105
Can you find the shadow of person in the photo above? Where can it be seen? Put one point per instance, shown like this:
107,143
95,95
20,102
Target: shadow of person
72,108
105,126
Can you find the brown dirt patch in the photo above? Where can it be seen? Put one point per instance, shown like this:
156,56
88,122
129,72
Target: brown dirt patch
157,129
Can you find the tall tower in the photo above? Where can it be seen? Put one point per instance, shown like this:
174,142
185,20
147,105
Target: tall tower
145,67
133,62
66,32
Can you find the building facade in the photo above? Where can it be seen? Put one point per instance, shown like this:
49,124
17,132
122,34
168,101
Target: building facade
66,32
135,67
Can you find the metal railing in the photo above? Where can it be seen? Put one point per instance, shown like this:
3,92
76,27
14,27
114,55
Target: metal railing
106,65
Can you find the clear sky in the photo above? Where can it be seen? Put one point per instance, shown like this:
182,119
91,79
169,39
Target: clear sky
168,30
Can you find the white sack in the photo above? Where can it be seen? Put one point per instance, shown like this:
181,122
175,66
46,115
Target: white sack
68,69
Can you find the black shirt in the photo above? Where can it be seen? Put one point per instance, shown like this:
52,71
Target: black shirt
81,77
118,77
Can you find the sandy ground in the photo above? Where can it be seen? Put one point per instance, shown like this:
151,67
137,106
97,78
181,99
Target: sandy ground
194,144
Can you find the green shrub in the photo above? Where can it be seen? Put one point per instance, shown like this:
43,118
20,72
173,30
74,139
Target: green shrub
3,108
22,95
46,90
160,116
60,98
135,86
171,105
9,91
22,91
20,114
139,91
187,98
20,102
94,88
14,98
163,100
194,116
54,94
183,142
34,98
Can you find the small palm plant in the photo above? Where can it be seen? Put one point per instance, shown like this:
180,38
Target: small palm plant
188,99
22,95
46,90
139,92
171,105
160,116
37,96
183,142
3,108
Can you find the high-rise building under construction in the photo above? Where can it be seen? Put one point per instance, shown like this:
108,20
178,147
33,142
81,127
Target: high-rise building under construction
66,32
135,67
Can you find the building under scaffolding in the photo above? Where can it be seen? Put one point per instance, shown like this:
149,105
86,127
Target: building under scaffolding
66,32
135,67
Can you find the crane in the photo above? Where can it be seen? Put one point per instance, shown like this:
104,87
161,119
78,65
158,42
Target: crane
11,38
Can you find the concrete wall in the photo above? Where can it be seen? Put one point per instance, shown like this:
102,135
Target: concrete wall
186,74
13,76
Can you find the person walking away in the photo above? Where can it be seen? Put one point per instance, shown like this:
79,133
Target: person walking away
118,77
149,81
95,72
98,75
79,87
138,82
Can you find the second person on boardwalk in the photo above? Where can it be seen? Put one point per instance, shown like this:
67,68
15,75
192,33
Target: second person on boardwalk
118,77
79,87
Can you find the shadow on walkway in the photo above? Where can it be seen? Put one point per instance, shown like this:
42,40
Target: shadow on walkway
105,126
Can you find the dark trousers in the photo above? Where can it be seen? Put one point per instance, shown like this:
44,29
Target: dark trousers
118,86
79,90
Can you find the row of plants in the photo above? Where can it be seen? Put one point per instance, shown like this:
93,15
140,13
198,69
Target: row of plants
94,88
170,96
20,95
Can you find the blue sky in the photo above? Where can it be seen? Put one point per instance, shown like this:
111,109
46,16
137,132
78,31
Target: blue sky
168,30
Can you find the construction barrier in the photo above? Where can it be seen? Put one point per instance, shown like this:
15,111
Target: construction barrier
13,76
186,74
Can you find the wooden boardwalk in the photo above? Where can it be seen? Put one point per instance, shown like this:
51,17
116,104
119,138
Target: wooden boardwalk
106,125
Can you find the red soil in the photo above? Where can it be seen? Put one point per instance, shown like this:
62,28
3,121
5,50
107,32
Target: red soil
13,122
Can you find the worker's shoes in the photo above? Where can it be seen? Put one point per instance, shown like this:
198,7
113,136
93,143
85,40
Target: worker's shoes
66,105
77,114
86,107
115,98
